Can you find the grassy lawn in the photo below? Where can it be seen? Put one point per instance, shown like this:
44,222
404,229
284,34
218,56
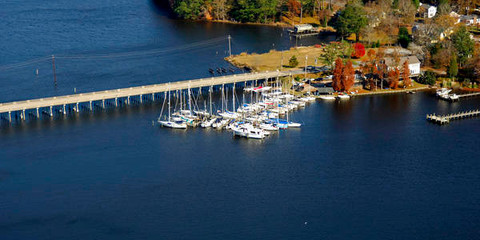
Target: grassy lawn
272,60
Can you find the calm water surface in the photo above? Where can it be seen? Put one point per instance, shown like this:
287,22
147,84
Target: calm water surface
369,168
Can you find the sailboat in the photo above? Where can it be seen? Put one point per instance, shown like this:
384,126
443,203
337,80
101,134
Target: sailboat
169,123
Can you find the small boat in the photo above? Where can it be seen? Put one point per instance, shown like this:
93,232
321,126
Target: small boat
453,97
329,97
174,125
343,96
248,131
208,123
211,71
269,127
443,91
307,99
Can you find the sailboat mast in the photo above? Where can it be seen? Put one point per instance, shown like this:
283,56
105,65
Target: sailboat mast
210,93
233,97
169,118
189,101
223,98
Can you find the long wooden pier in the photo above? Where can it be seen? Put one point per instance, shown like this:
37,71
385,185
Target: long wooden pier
50,105
445,119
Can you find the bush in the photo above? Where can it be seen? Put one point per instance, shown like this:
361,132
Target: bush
293,62
358,50
428,77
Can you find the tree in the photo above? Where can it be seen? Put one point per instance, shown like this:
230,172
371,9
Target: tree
346,49
393,78
428,77
220,9
294,7
358,50
371,54
406,11
453,67
444,7
351,20
293,62
330,53
403,37
348,79
189,9
464,44
416,3
337,75
406,75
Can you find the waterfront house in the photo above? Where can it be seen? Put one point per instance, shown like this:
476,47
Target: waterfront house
427,11
413,64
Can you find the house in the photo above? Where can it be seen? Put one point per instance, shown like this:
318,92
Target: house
413,64
427,11
470,19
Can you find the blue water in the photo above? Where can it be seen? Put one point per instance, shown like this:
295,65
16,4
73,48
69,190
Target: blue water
369,168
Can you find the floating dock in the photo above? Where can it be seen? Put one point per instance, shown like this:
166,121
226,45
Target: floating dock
445,119
35,108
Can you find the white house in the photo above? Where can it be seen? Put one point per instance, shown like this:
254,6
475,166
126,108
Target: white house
428,11
413,64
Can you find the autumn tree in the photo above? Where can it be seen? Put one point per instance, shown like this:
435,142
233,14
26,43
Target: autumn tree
294,7
348,79
406,11
220,9
358,50
393,78
406,75
337,75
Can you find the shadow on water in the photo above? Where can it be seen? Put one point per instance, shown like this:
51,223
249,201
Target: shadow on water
162,7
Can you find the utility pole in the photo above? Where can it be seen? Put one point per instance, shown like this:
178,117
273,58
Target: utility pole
229,45
306,62
54,72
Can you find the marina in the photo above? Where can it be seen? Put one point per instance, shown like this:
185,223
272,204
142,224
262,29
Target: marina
261,112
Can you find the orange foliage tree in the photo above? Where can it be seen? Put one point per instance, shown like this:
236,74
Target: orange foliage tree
348,76
294,7
337,75
406,75
371,54
393,78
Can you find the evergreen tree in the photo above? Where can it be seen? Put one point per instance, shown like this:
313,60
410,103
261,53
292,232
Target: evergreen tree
464,45
352,19
403,37
453,67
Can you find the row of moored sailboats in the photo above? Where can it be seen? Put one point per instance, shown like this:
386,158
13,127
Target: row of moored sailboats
264,110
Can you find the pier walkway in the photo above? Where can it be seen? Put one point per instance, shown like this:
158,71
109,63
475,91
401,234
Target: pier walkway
115,97
445,119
